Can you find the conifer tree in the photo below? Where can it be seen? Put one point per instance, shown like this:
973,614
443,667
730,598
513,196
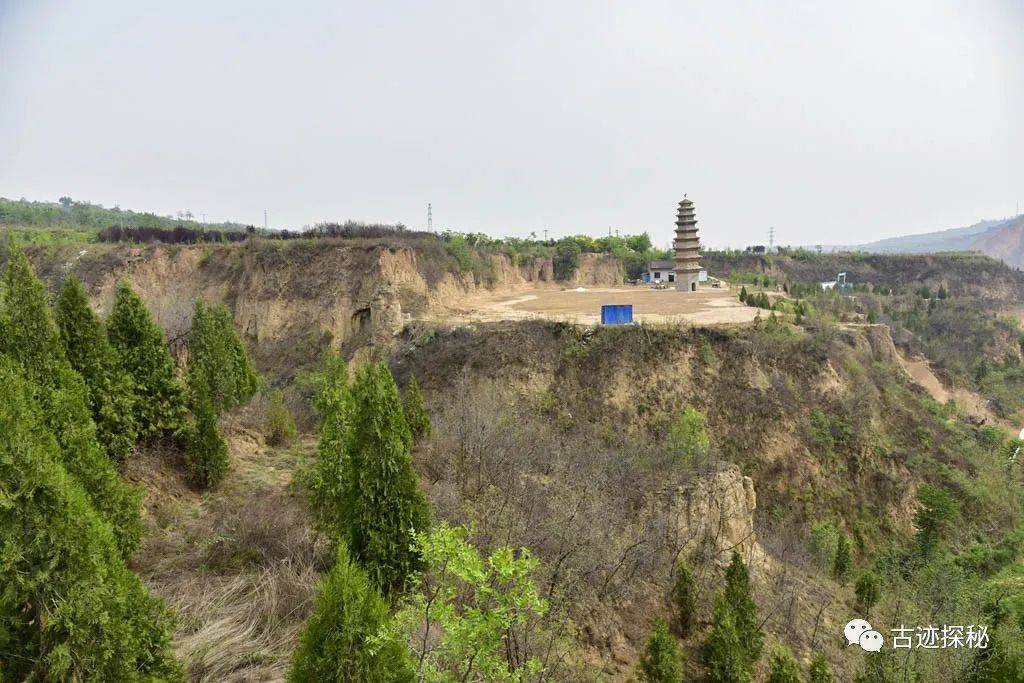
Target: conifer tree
684,595
206,453
661,661
782,668
336,645
159,398
69,607
743,293
819,671
415,412
91,355
843,560
31,339
724,656
219,369
383,503
740,600
333,403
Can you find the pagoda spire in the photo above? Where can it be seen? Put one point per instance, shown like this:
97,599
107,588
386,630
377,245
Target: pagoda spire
687,248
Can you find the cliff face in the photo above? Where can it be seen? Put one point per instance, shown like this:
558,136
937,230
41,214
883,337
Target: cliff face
292,299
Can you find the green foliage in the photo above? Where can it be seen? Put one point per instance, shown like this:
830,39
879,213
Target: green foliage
868,589
327,486
741,601
684,596
843,561
743,294
936,511
725,658
68,213
688,438
30,337
69,607
219,369
661,661
206,452
159,399
468,618
91,355
820,672
567,258
382,506
279,425
823,543
338,642
782,667
415,412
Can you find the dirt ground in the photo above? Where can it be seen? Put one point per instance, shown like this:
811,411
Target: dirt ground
583,305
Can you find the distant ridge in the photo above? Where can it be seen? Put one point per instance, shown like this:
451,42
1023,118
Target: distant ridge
1000,239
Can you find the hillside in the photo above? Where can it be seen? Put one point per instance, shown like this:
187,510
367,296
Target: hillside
1001,239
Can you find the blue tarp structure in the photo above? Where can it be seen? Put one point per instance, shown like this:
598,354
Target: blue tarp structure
616,315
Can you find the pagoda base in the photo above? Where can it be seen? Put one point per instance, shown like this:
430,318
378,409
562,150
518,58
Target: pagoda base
687,282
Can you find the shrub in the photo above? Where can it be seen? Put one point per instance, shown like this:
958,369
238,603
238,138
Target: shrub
824,539
279,425
415,413
684,596
782,668
159,400
337,643
91,355
661,661
843,560
819,671
688,438
206,455
69,608
725,658
936,510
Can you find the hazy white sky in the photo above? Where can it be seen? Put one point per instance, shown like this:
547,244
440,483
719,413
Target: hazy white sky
836,122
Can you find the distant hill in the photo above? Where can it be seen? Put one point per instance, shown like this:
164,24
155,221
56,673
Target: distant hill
1001,239
69,214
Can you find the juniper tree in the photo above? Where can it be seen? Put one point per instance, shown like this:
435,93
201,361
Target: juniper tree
333,403
337,642
383,505
415,412
725,658
69,607
661,661
91,355
843,559
684,595
219,369
30,338
206,452
782,668
740,600
868,590
159,398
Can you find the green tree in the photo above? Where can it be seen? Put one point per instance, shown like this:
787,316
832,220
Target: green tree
661,661
684,595
415,412
743,293
159,398
843,560
69,607
819,671
740,600
206,452
338,642
472,618
219,369
824,535
567,258
383,504
688,437
30,337
782,667
868,589
936,511
725,658
327,482
91,355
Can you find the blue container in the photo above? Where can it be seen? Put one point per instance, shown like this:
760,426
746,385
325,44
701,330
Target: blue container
616,315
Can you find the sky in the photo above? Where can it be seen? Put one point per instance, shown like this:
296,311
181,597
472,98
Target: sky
831,122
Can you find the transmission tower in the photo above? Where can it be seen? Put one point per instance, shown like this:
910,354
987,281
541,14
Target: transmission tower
430,218
771,240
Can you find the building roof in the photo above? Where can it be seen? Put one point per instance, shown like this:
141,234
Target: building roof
662,265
